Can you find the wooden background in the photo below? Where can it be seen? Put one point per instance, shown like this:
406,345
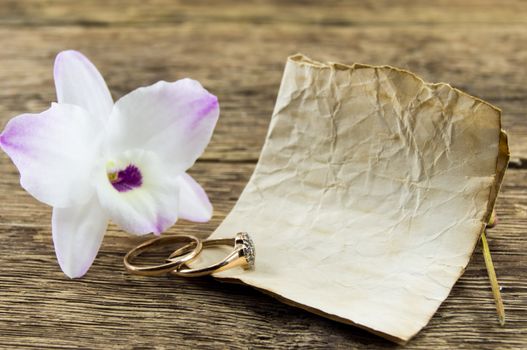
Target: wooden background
237,49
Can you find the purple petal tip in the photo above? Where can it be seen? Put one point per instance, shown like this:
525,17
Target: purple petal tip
2,140
161,225
205,107
6,139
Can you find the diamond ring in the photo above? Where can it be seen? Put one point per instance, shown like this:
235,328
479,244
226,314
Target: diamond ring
243,256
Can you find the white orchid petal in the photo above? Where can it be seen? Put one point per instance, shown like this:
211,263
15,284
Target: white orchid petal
77,235
54,152
149,204
174,120
78,82
194,204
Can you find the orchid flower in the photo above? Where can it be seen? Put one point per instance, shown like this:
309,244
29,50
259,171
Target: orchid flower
94,160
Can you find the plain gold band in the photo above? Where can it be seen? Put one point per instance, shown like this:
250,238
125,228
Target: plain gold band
191,252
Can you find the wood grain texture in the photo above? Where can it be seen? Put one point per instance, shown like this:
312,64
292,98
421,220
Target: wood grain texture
300,12
238,49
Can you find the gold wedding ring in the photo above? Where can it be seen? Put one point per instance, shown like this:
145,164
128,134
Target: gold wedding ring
192,249
243,256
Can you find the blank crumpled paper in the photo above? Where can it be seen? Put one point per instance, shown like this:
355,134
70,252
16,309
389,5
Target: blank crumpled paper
370,194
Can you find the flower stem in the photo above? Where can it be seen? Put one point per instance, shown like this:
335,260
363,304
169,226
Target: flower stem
493,280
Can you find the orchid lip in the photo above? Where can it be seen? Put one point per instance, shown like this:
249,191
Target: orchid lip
127,179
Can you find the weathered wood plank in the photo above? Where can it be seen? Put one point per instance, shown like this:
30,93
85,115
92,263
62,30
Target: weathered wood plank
243,65
333,12
109,307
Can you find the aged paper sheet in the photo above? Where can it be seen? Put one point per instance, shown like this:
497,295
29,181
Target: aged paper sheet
370,194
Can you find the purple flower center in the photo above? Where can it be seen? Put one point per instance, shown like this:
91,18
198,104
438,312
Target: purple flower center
126,179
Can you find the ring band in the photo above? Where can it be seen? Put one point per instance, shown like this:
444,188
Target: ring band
191,252
243,256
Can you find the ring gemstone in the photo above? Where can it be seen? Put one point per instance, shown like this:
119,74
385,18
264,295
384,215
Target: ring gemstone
248,248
